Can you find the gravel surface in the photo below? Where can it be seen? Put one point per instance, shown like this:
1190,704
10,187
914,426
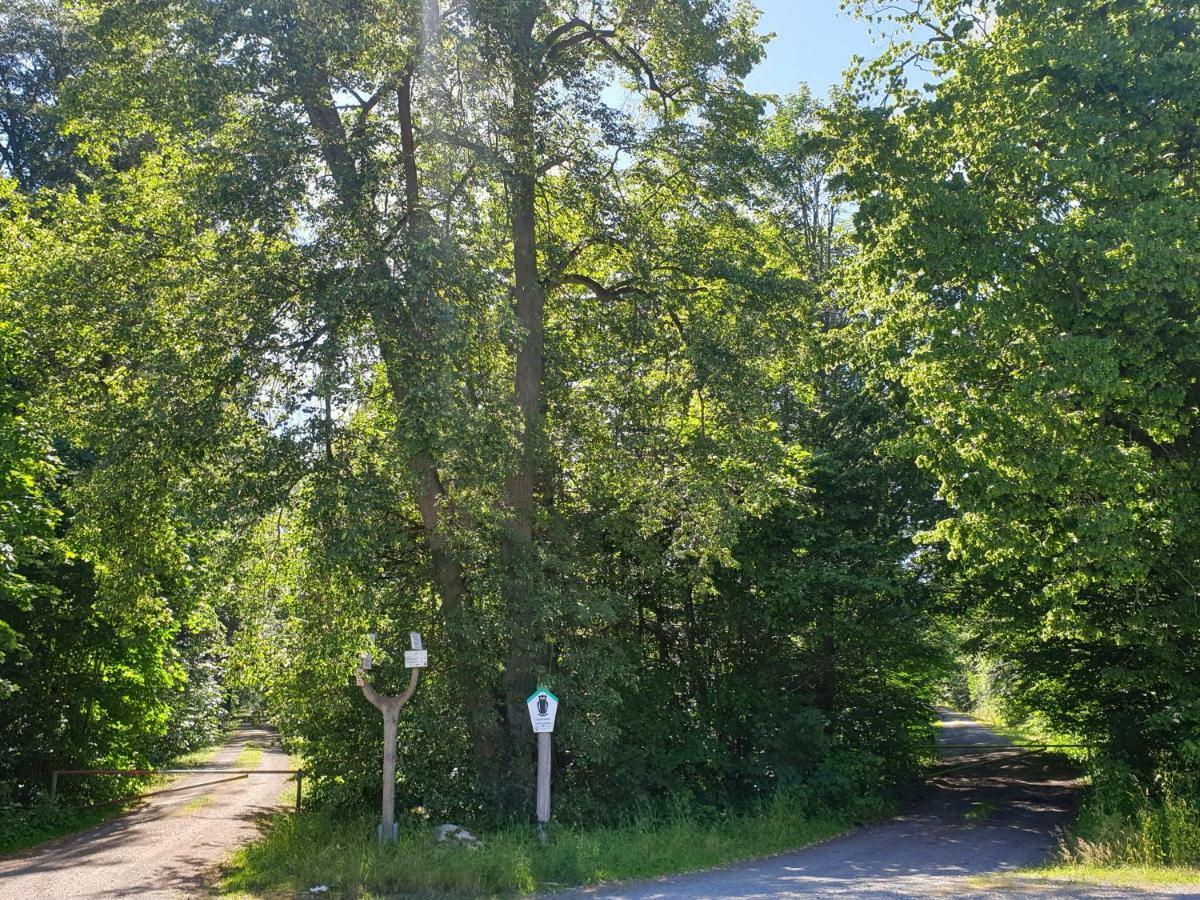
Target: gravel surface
968,829
167,847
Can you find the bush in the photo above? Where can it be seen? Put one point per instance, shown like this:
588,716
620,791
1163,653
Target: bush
1132,820
26,826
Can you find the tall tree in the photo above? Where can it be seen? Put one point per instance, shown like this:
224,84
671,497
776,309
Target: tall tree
1027,242
402,152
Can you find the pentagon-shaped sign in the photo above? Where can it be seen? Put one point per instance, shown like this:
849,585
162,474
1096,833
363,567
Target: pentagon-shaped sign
543,707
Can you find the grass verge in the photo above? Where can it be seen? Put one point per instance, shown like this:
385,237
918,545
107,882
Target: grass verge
200,757
1040,879
27,827
1133,829
323,848
1119,876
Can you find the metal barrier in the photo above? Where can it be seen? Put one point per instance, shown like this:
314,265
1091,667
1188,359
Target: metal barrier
236,775
992,749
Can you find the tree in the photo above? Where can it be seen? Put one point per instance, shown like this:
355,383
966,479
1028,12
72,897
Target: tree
1026,249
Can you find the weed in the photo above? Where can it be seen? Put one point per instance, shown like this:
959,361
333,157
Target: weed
1131,821
325,847
979,811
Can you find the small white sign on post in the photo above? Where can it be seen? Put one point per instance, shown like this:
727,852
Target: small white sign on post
416,659
543,707
414,638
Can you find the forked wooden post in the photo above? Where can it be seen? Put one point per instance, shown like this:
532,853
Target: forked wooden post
390,707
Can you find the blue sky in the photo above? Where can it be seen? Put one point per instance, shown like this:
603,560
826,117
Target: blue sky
813,44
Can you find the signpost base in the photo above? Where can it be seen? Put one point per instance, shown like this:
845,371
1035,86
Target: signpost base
543,783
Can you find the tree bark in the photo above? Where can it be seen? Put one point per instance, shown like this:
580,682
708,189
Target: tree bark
523,593
429,492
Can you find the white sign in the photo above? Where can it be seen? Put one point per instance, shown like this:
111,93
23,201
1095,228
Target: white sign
416,659
543,707
415,638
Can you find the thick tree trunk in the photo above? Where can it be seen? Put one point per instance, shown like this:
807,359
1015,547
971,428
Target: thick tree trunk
478,699
523,581
429,492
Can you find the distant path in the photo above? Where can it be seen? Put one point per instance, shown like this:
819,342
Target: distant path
164,848
933,850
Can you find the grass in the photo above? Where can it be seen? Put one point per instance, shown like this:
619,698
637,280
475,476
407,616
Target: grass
195,759
249,758
196,804
1132,830
1036,880
1118,876
315,848
979,812
287,796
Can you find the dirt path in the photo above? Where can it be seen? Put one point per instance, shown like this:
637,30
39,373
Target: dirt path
164,848
969,826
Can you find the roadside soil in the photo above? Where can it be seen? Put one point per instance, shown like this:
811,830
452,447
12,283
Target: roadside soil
968,830
168,846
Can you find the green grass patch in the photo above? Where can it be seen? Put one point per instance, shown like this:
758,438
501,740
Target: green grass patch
979,812
195,759
249,758
287,796
1118,876
1132,820
196,804
323,847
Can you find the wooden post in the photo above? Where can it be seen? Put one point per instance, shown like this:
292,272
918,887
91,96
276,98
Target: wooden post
390,707
543,709
543,783
299,787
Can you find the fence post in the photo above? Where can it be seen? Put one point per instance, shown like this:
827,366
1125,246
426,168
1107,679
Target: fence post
54,786
299,787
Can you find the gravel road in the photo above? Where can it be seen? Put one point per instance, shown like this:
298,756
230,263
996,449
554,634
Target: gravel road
166,847
958,840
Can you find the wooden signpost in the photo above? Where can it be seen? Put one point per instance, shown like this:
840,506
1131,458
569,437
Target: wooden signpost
415,659
543,708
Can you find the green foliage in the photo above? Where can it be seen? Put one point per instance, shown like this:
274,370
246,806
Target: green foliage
1027,244
345,328
23,825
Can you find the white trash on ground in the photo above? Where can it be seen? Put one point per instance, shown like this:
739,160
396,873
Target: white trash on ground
455,832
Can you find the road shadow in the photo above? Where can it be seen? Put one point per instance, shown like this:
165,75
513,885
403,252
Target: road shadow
1003,812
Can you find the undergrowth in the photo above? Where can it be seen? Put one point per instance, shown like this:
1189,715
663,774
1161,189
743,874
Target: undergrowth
329,848
1130,821
83,802
23,827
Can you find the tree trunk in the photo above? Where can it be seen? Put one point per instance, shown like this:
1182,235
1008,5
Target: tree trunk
523,576
429,492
